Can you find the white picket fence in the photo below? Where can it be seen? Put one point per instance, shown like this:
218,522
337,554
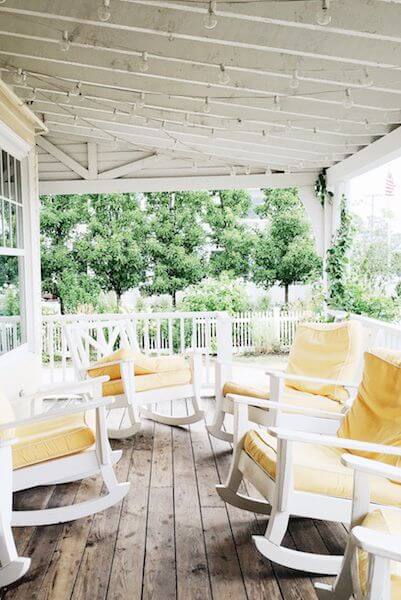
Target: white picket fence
10,333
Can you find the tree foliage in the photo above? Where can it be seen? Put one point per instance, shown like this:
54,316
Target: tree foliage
231,240
338,256
284,252
176,242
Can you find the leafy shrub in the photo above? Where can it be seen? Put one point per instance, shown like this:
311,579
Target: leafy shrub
216,294
359,300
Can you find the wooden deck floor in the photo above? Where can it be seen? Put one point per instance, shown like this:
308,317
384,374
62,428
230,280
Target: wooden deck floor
172,537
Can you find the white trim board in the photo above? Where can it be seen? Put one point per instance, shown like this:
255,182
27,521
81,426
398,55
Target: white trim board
375,155
172,184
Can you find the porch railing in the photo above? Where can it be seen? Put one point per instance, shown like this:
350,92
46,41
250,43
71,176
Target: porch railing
10,333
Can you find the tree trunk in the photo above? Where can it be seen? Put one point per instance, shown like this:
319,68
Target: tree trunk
174,298
286,287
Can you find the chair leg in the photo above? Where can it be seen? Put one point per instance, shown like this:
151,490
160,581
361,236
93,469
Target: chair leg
126,432
229,491
12,566
216,427
342,588
197,415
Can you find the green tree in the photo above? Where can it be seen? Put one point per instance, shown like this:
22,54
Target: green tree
232,241
338,256
177,241
60,219
115,243
285,251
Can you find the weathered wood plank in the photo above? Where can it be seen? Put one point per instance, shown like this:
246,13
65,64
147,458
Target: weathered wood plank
129,556
192,570
159,579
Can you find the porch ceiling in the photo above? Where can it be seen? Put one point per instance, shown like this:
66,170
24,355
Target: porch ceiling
128,122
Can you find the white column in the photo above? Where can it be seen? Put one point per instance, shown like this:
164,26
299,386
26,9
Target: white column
32,251
315,213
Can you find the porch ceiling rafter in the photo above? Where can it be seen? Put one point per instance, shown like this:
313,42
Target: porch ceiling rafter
70,162
128,168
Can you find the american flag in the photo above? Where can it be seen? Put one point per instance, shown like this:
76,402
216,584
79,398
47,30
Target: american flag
389,186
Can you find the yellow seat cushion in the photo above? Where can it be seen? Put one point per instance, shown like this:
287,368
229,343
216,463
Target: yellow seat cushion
317,469
375,415
290,396
51,439
327,350
154,381
383,521
143,365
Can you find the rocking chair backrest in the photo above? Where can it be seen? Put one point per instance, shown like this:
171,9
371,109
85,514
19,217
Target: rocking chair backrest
89,341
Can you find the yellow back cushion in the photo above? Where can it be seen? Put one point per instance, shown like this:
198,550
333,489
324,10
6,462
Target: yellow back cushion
375,415
142,363
328,350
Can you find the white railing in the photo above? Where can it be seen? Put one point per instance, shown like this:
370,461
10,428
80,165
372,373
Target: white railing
10,333
380,333
168,333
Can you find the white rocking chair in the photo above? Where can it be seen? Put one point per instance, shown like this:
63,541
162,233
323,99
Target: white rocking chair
37,464
316,347
285,471
371,568
88,340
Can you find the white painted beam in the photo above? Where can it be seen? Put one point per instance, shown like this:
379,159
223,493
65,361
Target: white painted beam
71,163
377,154
92,160
169,184
130,167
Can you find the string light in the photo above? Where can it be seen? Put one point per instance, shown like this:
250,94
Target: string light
268,170
65,42
366,80
114,117
103,11
323,16
144,64
141,102
206,106
224,77
76,90
348,101
366,123
210,20
133,109
294,81
276,103
32,96
19,76
240,123
233,171
186,120
247,170
68,97
75,120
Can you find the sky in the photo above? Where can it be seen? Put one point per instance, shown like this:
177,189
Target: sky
368,193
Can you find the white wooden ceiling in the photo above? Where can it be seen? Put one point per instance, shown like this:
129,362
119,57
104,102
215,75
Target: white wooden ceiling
255,121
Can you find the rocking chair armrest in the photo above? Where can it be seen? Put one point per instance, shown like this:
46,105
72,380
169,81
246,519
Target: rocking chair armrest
307,378
380,544
72,387
334,441
281,406
237,363
371,467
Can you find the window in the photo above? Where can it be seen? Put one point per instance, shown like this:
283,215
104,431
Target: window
12,255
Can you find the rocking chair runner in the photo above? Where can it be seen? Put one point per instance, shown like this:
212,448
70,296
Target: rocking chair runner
320,351
300,473
136,381
45,444
371,567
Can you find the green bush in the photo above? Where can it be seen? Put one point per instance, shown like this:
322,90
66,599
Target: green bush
359,300
216,294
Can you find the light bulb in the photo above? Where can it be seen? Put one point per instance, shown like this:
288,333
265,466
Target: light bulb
211,133
224,77
294,81
247,170
268,170
233,172
144,64
206,106
133,109
276,103
366,123
103,11
32,95
210,20
68,97
348,101
315,131
114,115
75,120
186,120
338,125
264,134
76,90
115,144
323,16
240,123
18,76
366,80
141,101
288,126
65,42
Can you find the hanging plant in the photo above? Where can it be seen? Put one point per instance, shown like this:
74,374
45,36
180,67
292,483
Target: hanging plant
338,256
321,188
